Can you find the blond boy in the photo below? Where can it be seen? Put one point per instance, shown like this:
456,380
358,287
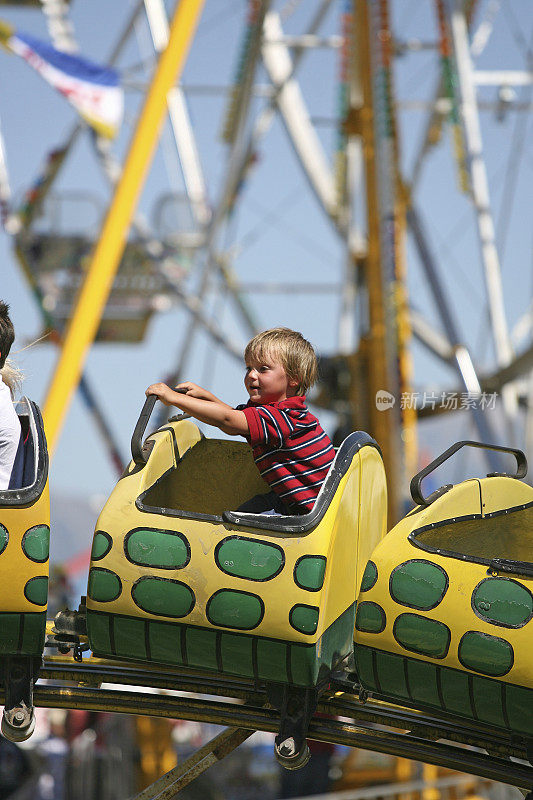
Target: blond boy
289,447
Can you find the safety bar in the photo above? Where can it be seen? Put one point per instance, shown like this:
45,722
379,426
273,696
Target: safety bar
137,438
416,482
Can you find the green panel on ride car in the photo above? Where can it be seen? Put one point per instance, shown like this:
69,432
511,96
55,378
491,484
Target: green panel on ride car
201,646
104,585
481,652
309,572
36,590
234,609
418,584
156,548
304,618
247,558
503,602
423,681
36,543
102,544
370,577
165,642
129,638
422,635
236,653
163,596
487,698
370,617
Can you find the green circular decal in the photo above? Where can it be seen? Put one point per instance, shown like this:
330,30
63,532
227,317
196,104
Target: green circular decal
233,609
102,543
503,602
422,635
36,590
304,618
418,584
487,654
370,617
309,572
248,558
149,547
36,543
163,596
103,585
370,576
4,538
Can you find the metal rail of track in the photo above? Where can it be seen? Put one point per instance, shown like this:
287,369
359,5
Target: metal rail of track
95,671
239,703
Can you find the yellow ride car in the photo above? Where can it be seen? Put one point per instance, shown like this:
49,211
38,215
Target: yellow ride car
24,551
444,618
179,576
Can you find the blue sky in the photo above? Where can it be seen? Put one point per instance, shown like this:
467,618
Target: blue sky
283,232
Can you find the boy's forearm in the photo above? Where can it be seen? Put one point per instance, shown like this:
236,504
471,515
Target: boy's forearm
214,412
193,390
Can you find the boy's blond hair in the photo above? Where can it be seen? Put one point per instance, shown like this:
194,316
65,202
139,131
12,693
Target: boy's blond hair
294,353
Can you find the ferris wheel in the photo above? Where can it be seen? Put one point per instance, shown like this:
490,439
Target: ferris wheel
348,142
292,186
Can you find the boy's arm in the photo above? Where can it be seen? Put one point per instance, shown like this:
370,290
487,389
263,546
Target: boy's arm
214,411
193,390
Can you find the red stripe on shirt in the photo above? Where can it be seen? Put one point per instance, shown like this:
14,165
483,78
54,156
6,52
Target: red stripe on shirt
291,450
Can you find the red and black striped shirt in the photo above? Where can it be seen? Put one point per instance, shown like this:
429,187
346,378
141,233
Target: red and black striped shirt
292,452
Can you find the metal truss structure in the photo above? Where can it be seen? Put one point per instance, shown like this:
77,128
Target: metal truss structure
372,203
343,182
352,719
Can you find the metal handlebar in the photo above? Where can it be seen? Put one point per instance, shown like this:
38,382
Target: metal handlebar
138,433
416,482
137,437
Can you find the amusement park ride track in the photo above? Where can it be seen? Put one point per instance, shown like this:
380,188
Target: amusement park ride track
347,715
368,723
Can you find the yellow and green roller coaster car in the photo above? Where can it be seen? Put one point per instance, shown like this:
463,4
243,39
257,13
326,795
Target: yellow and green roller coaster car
177,577
445,613
24,549
24,542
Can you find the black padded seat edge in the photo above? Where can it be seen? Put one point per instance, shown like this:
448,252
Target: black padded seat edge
16,480
298,523
31,461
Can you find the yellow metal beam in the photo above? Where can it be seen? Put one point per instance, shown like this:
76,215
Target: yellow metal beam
395,427
381,422
110,247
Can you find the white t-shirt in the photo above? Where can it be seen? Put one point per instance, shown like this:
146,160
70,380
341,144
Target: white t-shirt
9,434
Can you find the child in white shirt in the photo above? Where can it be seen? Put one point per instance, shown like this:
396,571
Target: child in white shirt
9,422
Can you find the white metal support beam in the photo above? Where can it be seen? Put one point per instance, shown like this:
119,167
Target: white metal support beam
481,199
479,183
309,150
506,77
180,122
461,357
433,340
290,102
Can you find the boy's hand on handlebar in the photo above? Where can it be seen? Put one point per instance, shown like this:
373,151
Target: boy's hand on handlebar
161,391
193,390
202,405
